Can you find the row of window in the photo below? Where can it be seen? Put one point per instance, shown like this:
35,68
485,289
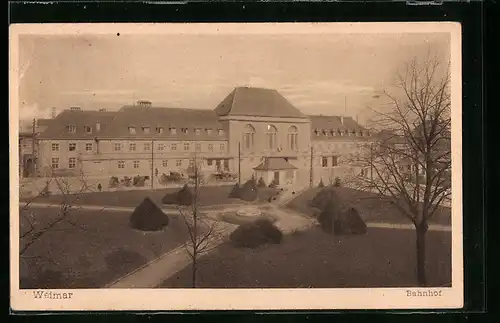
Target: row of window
324,161
146,147
333,133
173,131
87,129
55,163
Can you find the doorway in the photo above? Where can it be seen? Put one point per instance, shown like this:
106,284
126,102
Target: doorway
277,178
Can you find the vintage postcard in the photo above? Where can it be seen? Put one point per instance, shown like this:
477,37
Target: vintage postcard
235,166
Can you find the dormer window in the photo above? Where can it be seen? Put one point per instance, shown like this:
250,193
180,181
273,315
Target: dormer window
146,129
347,132
220,132
209,131
131,130
159,130
316,132
334,133
71,128
325,133
172,131
197,131
88,129
184,130
361,134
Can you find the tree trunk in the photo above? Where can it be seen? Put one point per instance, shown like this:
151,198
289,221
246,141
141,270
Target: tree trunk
193,272
421,230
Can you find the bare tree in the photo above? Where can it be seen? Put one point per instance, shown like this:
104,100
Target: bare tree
204,233
31,229
409,161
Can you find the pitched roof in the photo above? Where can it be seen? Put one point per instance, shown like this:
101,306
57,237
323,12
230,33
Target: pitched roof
152,117
274,163
257,102
58,127
335,128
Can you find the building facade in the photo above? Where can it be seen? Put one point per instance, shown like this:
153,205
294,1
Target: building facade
252,132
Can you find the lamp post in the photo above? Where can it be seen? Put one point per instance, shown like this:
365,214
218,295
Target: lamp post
152,162
239,163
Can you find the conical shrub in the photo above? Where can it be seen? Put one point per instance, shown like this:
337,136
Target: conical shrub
147,216
235,192
182,197
248,192
349,222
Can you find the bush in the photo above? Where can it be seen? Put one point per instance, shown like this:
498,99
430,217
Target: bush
323,197
252,235
182,197
349,222
163,179
337,182
261,183
248,192
113,181
327,216
273,184
127,181
139,181
174,177
235,192
147,216
321,184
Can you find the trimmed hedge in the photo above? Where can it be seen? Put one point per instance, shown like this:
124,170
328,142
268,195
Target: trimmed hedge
322,198
347,222
261,183
147,216
235,192
254,234
182,197
248,192
321,184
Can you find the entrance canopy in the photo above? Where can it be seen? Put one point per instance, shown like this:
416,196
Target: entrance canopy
275,163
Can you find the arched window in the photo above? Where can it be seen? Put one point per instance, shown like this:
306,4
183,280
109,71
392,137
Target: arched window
271,137
293,136
248,137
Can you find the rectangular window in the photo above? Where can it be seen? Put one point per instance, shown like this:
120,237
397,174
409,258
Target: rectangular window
210,147
178,163
164,163
121,164
131,130
88,147
161,146
186,146
88,129
174,147
54,163
146,129
72,162
136,164
324,162
191,163
173,131
131,147
147,146
226,165
334,161
72,146
217,165
198,147
159,130
55,147
209,162
117,146
221,147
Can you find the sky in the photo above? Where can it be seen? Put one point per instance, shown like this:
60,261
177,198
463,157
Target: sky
329,74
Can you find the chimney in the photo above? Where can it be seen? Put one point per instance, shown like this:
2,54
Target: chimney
54,113
102,110
342,119
97,126
144,103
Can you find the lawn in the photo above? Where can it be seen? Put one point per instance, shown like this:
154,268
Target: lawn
381,258
208,196
90,249
371,207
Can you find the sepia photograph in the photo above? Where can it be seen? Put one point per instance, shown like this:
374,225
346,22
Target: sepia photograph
235,166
